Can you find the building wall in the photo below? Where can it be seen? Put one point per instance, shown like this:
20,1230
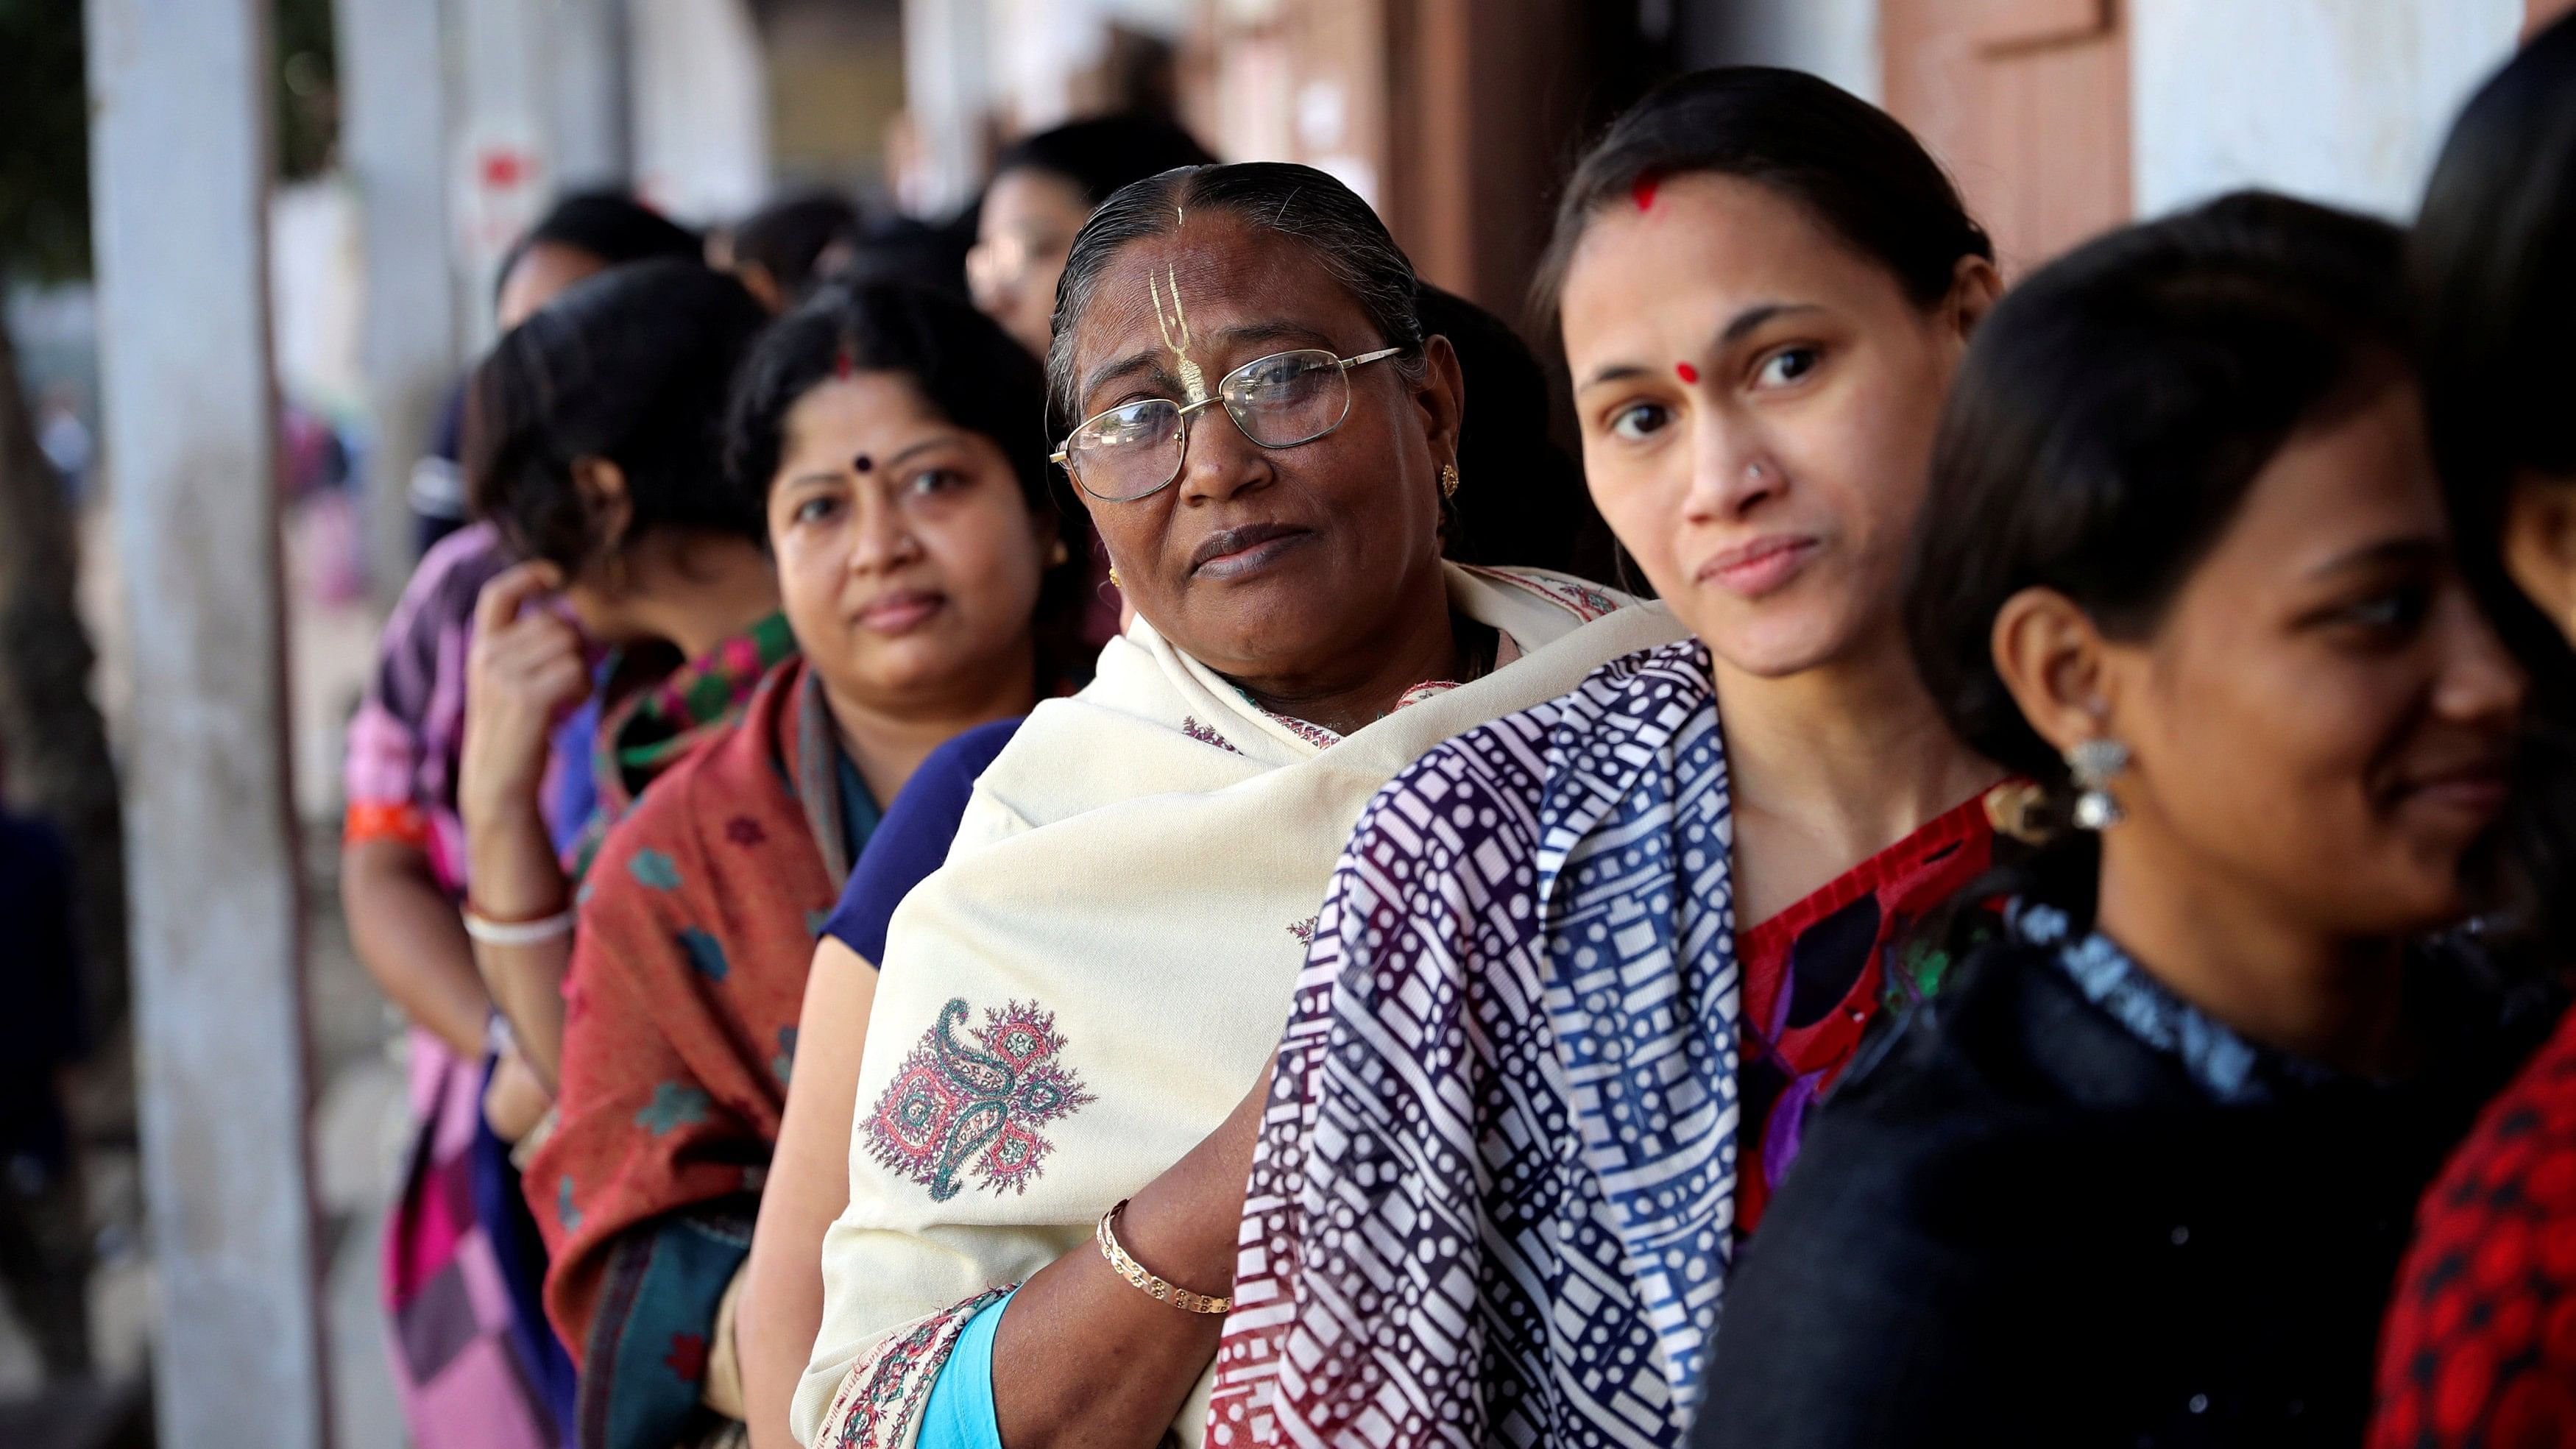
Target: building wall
2339,100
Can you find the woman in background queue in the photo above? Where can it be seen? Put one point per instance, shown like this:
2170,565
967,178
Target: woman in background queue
891,437
1584,971
1067,1043
2141,1174
402,878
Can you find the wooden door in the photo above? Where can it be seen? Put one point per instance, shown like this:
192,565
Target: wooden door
2027,103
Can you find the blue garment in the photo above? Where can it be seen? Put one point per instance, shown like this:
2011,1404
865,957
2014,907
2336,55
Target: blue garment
914,837
576,788
959,1414
502,1210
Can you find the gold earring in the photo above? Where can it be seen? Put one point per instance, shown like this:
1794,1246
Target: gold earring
1113,577
1057,555
1448,480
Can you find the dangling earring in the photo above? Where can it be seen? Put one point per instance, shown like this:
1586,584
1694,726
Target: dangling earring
1448,480
2093,762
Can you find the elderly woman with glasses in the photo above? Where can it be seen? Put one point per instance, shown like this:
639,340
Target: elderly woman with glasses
1067,1050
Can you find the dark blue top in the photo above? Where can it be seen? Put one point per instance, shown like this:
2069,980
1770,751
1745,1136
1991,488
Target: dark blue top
913,839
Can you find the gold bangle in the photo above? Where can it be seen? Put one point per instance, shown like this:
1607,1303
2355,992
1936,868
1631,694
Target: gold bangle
1134,1272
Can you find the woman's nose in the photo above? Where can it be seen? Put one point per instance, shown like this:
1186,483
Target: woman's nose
1218,461
1732,470
2479,681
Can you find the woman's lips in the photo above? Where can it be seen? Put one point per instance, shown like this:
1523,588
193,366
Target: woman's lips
1232,553
901,611
2476,791
1764,566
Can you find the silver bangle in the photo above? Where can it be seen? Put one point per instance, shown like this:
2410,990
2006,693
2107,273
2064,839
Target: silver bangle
518,933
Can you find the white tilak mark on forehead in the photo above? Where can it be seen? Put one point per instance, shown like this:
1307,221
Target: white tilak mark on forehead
1176,334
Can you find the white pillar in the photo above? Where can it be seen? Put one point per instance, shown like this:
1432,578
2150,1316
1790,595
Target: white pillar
393,131
180,170
947,90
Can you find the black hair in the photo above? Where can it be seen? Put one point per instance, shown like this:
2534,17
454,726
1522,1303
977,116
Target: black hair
1521,499
630,365
2490,266
609,225
2109,418
1301,203
1852,166
902,249
1101,155
965,366
788,238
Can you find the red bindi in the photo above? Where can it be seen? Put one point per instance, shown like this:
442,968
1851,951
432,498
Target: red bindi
1643,192
842,365
1685,372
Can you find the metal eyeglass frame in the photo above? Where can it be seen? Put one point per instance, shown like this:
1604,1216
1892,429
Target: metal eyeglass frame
1062,456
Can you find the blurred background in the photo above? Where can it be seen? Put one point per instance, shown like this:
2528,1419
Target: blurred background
191,577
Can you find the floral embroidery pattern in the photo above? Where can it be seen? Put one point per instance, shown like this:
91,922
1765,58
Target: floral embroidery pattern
654,870
1206,734
674,1105
974,1106
1304,930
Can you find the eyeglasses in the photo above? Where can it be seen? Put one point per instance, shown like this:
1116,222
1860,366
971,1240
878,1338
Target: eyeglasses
1135,450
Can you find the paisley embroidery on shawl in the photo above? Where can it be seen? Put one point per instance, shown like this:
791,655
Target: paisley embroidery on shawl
974,1106
1206,734
890,1382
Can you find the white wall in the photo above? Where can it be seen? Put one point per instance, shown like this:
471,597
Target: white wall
2338,100
1836,39
701,108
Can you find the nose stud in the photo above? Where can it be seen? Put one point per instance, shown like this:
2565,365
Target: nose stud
1755,472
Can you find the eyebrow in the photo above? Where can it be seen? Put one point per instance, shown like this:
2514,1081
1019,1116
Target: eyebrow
1147,361
1743,324
890,464
2413,548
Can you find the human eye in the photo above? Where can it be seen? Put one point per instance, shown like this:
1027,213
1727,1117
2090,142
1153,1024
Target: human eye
815,508
2391,612
930,482
1637,422
1787,365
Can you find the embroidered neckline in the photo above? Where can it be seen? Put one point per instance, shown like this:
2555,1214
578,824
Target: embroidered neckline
2222,1062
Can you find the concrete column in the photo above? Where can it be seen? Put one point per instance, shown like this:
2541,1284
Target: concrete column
393,131
180,168
947,90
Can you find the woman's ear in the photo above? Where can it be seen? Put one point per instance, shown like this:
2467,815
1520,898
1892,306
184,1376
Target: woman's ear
2051,658
601,485
1975,286
1442,396
2540,545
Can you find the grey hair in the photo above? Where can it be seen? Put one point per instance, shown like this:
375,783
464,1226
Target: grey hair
1321,214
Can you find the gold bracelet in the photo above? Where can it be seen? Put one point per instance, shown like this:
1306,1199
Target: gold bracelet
1134,1272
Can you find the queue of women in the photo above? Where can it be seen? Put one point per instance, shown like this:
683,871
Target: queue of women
1014,877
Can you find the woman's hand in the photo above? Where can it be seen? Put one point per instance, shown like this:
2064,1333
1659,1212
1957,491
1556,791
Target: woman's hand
523,673
514,1101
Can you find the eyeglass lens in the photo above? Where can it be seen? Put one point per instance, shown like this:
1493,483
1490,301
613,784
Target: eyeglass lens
1278,401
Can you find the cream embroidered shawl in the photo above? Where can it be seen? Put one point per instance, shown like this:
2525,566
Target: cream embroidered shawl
1097,974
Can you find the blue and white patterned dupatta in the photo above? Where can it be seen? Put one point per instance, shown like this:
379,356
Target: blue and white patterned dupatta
1493,1199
